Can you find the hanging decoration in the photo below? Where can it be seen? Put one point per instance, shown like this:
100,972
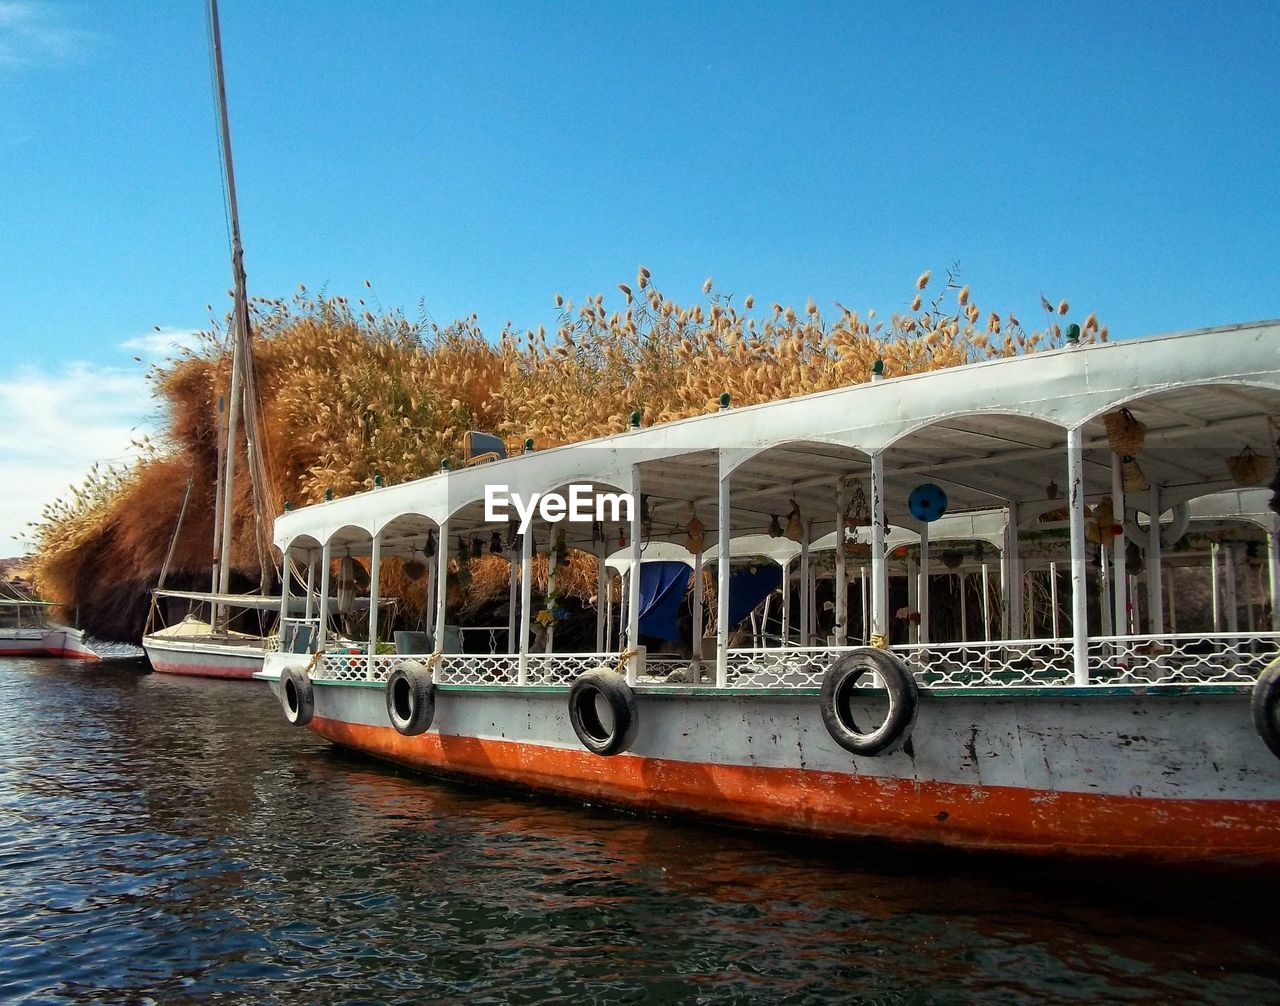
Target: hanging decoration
646,519
513,536
622,536
927,502
1051,490
429,549
795,523
495,544
1103,529
695,532
1125,432
1131,475
857,514
1248,468
952,559
775,526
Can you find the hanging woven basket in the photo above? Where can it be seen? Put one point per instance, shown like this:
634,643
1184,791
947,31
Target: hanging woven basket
1126,433
1248,468
1131,476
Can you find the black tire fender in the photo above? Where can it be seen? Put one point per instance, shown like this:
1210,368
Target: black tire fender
839,686
411,698
1265,706
602,711
297,697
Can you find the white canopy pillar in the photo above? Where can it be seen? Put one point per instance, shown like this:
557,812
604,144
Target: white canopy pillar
806,593
722,574
1005,579
1172,595
786,602
526,603
923,635
513,602
1273,571
1120,598
1233,604
548,638
608,613
1053,599
633,584
1215,587
963,579
311,579
1155,580
1104,590
913,597
1079,570
864,601
375,567
284,594
697,617
600,592
841,629
1017,617
442,583
986,603
326,560
879,561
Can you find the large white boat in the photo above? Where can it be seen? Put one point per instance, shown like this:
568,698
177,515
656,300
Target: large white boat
28,630
1070,718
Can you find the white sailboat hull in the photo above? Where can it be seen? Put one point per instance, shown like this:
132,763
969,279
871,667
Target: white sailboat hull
46,641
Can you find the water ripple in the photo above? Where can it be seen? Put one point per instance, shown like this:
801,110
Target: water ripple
172,841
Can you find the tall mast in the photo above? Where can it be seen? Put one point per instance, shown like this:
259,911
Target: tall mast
240,314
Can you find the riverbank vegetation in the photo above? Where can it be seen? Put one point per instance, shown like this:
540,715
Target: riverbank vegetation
348,393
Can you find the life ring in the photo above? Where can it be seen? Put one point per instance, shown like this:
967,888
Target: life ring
602,711
839,686
1265,706
1169,536
411,698
297,697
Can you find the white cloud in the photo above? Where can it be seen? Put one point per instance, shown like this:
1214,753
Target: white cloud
165,342
34,34
55,422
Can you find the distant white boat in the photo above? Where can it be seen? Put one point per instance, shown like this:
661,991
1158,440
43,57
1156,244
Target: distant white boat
26,630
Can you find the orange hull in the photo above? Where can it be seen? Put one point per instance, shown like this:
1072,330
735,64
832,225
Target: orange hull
831,804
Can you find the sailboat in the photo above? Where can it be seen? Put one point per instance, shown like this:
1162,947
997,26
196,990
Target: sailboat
210,639
27,630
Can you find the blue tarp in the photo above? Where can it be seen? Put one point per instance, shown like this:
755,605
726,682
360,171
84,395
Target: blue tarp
662,589
663,585
748,588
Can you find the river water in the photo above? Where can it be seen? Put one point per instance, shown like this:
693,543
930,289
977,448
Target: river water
172,840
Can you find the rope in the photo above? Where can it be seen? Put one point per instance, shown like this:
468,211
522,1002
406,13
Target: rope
623,658
879,640
315,659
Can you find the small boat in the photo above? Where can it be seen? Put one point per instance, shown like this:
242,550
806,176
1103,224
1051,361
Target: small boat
191,645
1080,708
27,630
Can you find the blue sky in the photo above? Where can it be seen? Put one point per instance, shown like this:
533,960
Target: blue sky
482,157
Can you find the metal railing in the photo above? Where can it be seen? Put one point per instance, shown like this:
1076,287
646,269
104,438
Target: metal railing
1187,658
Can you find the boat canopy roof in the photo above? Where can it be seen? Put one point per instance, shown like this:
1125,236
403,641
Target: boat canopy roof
297,601
991,434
